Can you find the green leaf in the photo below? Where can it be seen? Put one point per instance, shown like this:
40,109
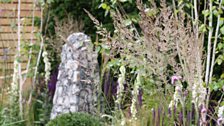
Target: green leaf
216,13
114,62
222,103
205,13
39,101
220,46
123,0
107,51
5,1
202,28
220,11
50,1
103,5
219,61
114,2
122,70
215,87
30,74
189,5
127,22
98,48
221,21
222,30
107,10
18,59
104,46
222,76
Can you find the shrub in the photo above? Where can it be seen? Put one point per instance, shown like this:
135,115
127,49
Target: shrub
75,119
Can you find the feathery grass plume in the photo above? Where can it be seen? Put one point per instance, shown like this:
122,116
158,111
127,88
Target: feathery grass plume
47,66
172,43
14,84
135,94
64,28
120,88
165,45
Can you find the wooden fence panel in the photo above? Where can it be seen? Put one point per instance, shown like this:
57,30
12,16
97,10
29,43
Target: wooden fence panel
8,33
10,29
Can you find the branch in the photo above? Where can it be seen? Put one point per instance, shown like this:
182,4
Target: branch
31,42
38,58
18,56
215,43
209,45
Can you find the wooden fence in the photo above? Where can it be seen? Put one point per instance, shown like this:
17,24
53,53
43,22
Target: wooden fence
8,33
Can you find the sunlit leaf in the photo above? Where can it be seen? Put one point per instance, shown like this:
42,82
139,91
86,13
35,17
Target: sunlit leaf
127,22
222,30
103,5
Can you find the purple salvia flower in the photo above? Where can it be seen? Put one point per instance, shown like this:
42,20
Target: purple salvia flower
114,88
193,111
140,93
175,78
107,84
174,110
159,115
169,112
52,83
181,117
185,93
189,117
163,118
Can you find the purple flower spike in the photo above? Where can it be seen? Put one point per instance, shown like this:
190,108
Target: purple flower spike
52,83
140,97
175,78
169,112
114,88
181,117
107,84
159,115
174,110
185,93
189,117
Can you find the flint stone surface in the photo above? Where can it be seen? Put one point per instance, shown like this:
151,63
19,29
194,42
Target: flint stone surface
77,78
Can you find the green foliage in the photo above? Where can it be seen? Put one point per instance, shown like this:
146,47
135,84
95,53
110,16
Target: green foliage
217,85
61,9
75,119
42,108
5,1
9,114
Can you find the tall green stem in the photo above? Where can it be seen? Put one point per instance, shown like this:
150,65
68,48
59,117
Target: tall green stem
184,113
207,79
209,44
215,43
19,63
